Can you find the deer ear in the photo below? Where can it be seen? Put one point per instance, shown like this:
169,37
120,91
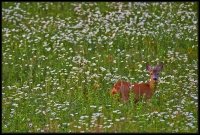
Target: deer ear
160,66
148,67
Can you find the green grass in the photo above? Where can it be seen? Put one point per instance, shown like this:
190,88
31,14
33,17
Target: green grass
60,61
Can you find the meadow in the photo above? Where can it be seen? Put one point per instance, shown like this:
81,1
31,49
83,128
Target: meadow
61,59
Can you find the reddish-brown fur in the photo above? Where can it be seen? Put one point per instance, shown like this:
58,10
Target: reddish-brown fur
142,89
122,88
145,90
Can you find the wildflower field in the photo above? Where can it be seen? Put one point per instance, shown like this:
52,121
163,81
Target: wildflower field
61,59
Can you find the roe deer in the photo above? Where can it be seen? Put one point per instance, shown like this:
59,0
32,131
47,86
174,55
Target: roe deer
139,89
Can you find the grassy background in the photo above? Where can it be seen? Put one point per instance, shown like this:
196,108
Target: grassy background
61,59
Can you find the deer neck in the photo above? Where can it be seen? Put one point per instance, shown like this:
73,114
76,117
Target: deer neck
152,84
